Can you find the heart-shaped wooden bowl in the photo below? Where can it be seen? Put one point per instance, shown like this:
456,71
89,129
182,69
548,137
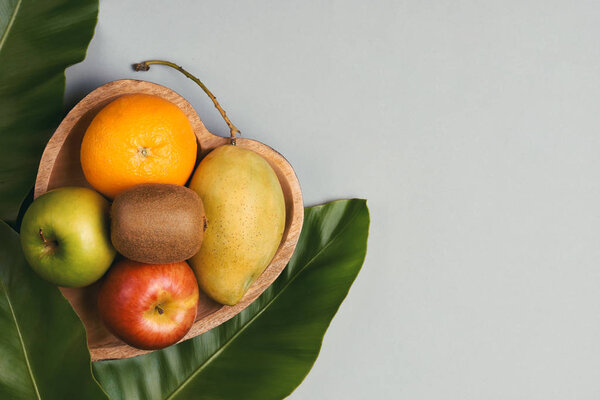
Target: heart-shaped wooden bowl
60,166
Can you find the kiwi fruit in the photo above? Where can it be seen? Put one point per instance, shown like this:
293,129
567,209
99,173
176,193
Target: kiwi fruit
157,223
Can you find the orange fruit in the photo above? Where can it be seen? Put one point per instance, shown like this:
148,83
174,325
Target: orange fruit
135,139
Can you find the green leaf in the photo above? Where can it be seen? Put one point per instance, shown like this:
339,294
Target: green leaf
38,40
265,351
43,352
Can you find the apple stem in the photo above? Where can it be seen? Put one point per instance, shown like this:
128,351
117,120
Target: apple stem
145,66
159,309
42,236
49,245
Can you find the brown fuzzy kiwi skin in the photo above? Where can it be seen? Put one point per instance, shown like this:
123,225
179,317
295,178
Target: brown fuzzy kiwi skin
157,223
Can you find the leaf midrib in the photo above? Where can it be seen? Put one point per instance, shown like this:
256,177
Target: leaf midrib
251,320
21,341
10,24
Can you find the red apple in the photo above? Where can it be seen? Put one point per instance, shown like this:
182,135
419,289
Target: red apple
149,306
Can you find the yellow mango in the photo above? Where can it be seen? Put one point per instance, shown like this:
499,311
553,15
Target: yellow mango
245,212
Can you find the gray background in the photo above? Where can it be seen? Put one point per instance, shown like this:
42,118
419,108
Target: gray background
472,128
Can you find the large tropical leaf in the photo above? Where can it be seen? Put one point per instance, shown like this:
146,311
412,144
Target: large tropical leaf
38,40
265,351
43,353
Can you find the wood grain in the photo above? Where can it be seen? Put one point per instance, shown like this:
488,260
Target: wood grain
60,166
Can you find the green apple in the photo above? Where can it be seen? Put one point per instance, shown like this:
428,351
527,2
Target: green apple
65,236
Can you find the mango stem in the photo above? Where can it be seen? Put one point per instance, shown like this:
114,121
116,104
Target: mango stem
145,66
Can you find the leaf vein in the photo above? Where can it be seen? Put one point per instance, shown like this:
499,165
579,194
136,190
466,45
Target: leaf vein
21,341
11,21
